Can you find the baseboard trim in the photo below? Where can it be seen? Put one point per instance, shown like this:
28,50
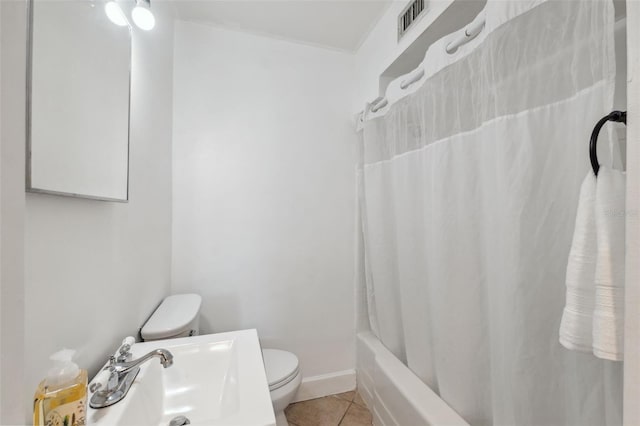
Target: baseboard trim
326,384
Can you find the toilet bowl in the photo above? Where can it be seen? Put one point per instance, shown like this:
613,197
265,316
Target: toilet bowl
179,315
284,378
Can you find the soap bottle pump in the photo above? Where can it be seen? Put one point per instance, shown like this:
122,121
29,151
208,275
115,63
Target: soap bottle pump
61,398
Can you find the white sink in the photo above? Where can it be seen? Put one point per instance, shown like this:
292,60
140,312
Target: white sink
215,379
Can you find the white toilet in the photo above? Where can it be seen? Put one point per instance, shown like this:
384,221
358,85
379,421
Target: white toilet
179,316
284,378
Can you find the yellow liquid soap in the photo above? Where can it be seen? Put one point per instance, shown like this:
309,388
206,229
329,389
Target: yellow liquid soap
62,405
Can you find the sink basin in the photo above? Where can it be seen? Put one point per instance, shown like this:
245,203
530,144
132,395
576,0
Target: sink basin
215,379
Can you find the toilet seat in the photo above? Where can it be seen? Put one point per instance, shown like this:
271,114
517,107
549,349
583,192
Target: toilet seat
281,367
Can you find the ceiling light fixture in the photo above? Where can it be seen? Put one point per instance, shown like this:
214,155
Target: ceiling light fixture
142,15
115,14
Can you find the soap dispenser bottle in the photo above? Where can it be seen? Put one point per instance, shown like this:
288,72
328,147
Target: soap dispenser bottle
61,398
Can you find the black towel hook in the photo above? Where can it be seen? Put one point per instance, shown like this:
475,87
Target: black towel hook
617,116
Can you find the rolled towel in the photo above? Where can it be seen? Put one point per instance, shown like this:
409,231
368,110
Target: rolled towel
577,317
608,314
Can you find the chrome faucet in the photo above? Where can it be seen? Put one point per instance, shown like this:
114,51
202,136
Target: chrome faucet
112,383
166,359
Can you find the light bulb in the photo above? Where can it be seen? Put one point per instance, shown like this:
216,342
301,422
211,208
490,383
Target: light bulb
115,14
142,16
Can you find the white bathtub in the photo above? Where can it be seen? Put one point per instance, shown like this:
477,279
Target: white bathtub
394,394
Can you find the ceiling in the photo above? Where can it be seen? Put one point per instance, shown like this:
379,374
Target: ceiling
339,24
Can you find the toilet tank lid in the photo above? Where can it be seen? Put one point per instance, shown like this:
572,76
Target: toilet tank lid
173,316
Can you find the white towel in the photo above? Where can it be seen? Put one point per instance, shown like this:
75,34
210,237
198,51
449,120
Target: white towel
608,315
577,317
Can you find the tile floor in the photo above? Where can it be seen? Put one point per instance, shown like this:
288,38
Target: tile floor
344,409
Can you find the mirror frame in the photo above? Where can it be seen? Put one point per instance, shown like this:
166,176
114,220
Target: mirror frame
29,78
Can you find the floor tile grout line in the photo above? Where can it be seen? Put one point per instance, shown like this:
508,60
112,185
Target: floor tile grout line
345,414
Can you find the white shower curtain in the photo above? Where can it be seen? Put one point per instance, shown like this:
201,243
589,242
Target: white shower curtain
468,192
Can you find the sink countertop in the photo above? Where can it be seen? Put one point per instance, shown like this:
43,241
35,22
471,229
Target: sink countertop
215,379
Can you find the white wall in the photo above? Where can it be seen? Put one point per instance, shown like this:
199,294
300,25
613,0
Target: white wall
263,190
96,270
12,70
631,415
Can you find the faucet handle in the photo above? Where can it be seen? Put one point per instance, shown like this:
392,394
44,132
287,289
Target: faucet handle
123,352
129,340
101,381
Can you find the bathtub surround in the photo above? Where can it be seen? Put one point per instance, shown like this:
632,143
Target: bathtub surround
263,190
393,392
469,197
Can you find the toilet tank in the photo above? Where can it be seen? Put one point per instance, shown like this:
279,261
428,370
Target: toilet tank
177,316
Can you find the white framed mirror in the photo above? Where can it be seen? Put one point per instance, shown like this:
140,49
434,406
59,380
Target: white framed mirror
78,95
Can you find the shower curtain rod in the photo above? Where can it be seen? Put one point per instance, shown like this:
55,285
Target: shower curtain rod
470,32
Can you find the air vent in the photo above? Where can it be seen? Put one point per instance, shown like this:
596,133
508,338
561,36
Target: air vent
410,15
